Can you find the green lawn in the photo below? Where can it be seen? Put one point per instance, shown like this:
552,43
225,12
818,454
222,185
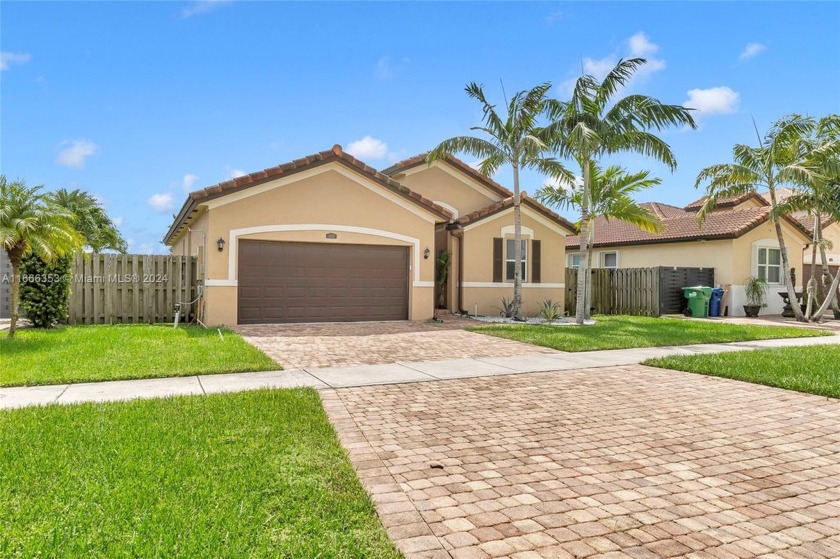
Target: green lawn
254,474
91,353
621,332
815,370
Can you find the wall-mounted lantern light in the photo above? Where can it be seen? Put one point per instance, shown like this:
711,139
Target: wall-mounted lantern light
427,253
220,244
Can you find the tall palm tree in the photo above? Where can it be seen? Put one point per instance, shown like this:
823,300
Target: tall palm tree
820,198
31,223
510,141
593,123
611,196
781,158
90,219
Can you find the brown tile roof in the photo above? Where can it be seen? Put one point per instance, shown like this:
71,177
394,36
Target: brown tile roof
718,225
725,202
664,211
405,164
336,154
805,221
502,205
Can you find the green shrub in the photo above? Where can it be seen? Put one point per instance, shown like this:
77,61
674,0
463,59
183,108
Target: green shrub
45,290
550,311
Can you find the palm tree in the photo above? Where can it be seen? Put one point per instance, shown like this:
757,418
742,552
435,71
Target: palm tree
611,196
510,141
593,124
820,198
782,157
31,223
90,219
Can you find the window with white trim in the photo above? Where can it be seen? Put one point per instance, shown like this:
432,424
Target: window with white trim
510,259
609,260
768,266
573,260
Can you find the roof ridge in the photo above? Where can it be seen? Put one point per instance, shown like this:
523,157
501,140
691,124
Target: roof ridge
336,153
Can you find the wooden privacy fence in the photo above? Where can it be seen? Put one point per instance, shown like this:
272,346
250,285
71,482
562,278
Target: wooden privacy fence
638,291
130,288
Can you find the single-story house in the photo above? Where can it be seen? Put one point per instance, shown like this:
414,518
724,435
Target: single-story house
327,238
737,239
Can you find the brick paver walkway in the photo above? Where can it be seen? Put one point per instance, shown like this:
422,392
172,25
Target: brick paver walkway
376,343
615,462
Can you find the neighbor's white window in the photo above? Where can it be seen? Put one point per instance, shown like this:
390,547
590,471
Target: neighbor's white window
573,260
609,260
769,265
510,259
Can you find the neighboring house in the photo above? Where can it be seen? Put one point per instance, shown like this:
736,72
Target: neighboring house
5,285
737,240
327,238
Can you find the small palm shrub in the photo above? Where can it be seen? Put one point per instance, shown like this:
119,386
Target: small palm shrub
549,310
506,309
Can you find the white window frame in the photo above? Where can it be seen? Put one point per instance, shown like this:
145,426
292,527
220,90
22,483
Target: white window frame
602,257
570,260
767,246
510,257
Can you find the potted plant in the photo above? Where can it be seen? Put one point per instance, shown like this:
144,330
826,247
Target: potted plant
756,291
442,263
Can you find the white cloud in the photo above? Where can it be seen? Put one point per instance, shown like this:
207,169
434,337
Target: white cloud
74,152
553,18
387,69
367,148
640,46
714,100
7,59
598,68
162,202
202,7
188,182
233,173
751,50
118,221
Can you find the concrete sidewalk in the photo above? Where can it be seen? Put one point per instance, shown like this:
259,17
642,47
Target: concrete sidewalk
366,375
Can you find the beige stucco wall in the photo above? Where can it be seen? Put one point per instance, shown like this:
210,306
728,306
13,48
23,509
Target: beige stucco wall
323,200
478,264
733,260
832,234
453,187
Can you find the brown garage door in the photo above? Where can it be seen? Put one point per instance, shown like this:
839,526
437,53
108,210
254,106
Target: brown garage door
312,282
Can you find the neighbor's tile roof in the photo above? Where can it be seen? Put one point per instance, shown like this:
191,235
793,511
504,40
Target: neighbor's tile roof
664,211
724,202
405,164
335,154
502,205
718,225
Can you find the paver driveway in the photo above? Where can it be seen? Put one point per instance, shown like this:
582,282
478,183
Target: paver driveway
612,462
376,343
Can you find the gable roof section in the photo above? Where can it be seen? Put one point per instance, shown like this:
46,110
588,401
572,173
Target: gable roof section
507,203
336,154
663,211
681,228
726,202
417,160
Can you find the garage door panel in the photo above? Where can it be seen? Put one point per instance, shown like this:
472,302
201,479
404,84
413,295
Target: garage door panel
313,282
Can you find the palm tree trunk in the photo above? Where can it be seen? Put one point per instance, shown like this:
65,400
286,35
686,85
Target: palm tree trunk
812,282
589,254
15,257
583,280
832,295
791,290
517,244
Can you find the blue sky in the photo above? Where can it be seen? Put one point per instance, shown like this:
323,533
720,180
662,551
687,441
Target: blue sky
140,102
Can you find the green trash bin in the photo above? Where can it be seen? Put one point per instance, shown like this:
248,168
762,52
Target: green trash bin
698,301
